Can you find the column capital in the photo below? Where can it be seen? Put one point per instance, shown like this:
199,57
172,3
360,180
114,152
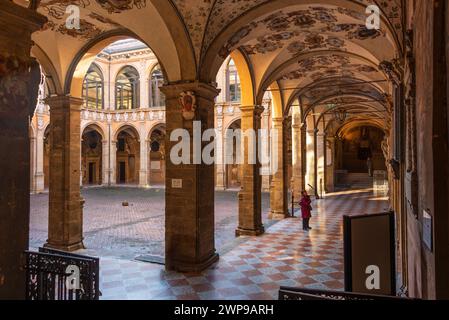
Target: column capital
277,121
17,22
63,101
252,108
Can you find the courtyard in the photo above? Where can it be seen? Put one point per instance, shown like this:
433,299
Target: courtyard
138,229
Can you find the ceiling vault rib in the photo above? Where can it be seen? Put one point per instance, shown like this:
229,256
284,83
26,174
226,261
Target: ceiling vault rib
200,58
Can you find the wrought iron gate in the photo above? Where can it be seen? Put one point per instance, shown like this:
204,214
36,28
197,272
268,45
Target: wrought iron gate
47,276
286,293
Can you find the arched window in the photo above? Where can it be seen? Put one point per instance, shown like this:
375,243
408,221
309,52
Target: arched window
233,83
157,98
93,88
127,89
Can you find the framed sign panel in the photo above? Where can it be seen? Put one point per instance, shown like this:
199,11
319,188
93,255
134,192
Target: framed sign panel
369,252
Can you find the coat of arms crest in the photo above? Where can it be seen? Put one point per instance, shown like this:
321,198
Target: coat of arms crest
188,104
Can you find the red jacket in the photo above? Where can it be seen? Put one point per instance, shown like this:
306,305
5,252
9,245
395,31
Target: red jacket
306,208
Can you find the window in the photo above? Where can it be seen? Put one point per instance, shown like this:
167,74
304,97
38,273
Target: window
127,89
157,98
93,88
121,145
233,83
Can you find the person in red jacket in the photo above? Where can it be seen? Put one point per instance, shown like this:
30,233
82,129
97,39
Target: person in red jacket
306,210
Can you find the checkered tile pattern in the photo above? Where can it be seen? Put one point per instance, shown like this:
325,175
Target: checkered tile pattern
255,269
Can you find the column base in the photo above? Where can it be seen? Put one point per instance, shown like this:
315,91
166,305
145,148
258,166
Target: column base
249,232
277,215
194,267
65,247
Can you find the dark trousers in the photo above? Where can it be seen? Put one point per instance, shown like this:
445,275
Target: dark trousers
305,223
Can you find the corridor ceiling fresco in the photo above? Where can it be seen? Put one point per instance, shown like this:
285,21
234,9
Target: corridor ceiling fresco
290,43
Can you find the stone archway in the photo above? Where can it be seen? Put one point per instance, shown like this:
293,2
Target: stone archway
91,157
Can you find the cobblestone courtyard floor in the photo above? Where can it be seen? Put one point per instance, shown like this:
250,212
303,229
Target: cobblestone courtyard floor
112,230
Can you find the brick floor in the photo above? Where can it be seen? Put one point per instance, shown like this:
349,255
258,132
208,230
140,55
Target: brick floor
126,232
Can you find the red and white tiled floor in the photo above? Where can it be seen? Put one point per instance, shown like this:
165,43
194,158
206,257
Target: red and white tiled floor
257,266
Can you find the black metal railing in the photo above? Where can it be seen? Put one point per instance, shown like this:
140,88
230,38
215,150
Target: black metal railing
287,293
47,276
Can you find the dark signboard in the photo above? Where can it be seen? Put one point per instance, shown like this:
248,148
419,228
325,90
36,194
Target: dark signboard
369,245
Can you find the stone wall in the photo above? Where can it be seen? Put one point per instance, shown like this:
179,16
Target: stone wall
427,267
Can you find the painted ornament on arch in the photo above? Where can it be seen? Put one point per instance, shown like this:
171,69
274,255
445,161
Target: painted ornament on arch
188,105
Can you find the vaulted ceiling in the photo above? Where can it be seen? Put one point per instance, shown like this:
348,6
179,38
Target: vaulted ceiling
295,44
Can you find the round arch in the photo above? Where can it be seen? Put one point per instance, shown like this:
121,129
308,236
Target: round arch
83,59
157,125
323,82
242,26
53,84
246,78
96,127
368,109
276,74
124,127
322,100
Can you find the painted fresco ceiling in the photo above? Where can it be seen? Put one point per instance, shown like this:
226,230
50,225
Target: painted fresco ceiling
294,43
205,19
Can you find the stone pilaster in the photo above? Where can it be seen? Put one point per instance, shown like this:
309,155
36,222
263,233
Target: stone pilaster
310,161
112,173
315,178
279,187
297,170
220,183
19,83
320,162
143,172
266,176
250,216
65,223
330,164
189,199
39,183
104,162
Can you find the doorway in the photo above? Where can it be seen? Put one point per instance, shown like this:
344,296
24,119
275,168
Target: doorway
122,172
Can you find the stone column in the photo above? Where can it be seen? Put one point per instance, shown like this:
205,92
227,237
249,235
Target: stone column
39,183
297,174
82,170
65,223
250,216
144,90
189,198
315,164
278,188
113,162
143,172
32,162
105,162
320,162
330,164
310,160
266,176
220,166
19,83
